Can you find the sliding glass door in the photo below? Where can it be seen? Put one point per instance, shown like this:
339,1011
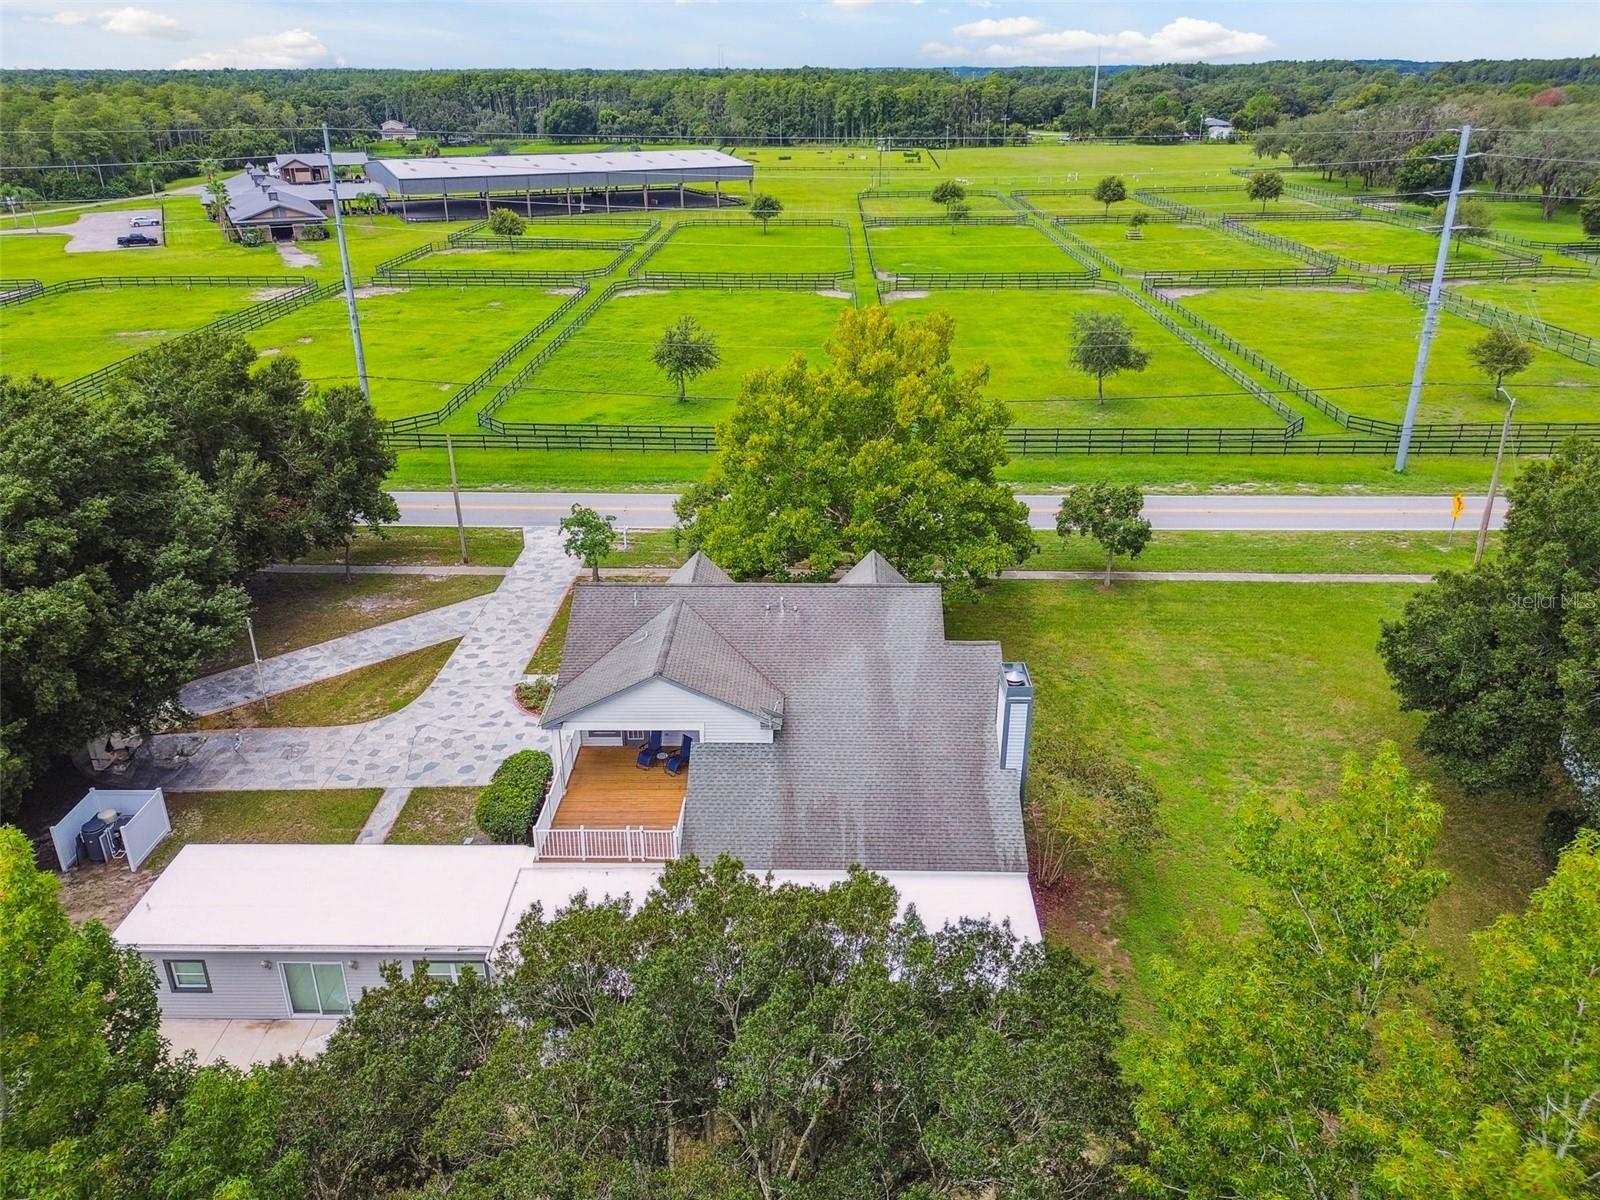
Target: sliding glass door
316,989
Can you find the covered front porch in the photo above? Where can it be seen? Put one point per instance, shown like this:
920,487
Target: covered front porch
607,807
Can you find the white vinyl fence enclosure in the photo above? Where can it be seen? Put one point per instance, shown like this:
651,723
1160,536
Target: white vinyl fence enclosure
140,835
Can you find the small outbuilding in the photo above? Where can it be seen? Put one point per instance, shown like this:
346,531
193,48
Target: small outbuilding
396,131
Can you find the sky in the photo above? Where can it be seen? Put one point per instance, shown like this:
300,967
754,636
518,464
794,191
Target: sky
775,33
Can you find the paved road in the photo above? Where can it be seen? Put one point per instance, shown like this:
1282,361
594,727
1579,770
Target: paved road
648,510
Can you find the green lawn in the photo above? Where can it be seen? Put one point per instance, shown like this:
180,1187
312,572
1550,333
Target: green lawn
1024,337
1525,219
422,343
1239,201
1375,242
1082,206
1181,247
71,334
275,817
923,206
744,248
1359,347
364,694
1195,550
1570,303
546,659
1004,249
604,374
290,611
577,228
423,544
1214,689
436,816
521,258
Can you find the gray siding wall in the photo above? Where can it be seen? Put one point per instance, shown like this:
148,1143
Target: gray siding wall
242,987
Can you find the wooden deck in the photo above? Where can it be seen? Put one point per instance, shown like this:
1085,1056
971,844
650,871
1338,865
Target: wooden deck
607,790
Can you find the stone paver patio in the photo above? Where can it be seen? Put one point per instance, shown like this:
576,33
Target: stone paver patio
453,735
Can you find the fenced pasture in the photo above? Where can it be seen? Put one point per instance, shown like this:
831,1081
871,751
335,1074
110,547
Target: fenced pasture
1356,345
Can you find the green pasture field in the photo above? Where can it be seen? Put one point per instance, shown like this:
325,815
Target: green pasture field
1181,247
744,248
1082,206
1525,219
1003,249
604,374
923,206
576,228
1375,242
1358,347
1239,201
64,336
1215,690
1025,336
1570,303
422,344
529,258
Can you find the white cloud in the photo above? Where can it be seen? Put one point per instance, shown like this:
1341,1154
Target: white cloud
1024,40
291,48
64,18
866,3
1004,27
140,22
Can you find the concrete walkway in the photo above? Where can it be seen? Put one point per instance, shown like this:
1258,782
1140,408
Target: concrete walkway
385,569
383,816
453,735
1219,576
244,1042
280,673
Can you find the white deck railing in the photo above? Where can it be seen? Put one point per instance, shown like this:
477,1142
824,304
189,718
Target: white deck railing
631,843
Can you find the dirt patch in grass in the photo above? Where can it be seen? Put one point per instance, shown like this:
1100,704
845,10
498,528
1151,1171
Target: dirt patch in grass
833,293
903,294
378,290
271,293
642,291
104,892
571,291
440,816
364,694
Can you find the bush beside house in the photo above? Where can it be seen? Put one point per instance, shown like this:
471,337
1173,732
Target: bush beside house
511,803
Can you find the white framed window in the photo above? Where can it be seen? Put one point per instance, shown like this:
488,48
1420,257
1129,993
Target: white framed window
188,974
449,971
316,988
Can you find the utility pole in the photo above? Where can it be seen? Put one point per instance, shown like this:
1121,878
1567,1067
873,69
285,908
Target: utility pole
1094,92
1430,318
1494,477
455,492
344,265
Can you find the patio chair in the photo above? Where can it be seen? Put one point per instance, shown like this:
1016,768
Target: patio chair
652,747
679,760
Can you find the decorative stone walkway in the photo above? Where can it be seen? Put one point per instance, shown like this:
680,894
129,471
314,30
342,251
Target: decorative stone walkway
453,735
383,816
238,685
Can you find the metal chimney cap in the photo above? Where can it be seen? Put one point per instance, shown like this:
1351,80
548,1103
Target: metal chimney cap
1015,677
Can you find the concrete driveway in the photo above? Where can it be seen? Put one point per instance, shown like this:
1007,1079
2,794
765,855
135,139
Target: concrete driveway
94,231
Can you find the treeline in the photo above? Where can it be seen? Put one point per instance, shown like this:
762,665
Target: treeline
1542,143
124,131
727,1039
131,522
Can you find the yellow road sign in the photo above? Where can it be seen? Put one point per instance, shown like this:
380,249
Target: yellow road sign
1458,504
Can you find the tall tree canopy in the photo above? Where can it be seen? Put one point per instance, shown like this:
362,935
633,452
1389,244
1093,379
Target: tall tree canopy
1504,659
118,574
887,447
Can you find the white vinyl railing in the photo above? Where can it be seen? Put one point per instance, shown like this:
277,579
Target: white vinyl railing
631,843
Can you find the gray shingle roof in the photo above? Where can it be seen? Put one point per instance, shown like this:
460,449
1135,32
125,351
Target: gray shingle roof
251,195
699,569
874,568
887,754
679,646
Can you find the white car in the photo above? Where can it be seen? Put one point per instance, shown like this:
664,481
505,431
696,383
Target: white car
143,222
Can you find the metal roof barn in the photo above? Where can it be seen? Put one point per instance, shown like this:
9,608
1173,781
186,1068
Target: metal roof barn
464,175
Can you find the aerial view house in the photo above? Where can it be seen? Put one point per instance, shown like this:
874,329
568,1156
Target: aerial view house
313,168
254,199
397,131
801,728
1216,128
425,188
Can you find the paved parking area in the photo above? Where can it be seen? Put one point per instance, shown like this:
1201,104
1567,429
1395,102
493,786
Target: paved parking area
100,231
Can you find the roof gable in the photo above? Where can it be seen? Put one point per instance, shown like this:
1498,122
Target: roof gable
679,646
699,569
874,568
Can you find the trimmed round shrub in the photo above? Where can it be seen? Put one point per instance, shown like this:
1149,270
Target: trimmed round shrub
509,806
505,223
